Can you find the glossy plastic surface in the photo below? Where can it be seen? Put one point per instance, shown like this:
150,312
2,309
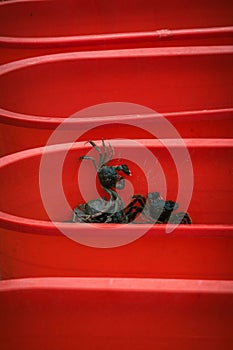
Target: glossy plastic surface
192,87
34,28
108,313
32,246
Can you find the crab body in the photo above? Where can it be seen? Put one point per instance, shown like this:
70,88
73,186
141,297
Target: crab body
112,211
108,176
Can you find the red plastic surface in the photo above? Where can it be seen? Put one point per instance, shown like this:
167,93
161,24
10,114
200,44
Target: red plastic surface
33,28
33,246
109,313
192,87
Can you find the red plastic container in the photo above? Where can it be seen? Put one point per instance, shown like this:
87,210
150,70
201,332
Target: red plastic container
31,245
34,28
113,313
192,87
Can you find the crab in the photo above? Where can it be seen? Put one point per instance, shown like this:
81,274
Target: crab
111,211
157,210
108,175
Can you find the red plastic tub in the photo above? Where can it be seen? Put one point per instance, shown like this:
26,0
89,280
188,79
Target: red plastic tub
113,313
192,87
34,28
32,245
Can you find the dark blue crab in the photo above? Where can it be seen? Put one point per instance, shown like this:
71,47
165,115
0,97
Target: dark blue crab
157,210
108,175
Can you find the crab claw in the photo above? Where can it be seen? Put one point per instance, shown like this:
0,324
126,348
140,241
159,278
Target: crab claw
125,169
120,184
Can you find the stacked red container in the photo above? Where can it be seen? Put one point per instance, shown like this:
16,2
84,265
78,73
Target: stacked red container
37,27
155,80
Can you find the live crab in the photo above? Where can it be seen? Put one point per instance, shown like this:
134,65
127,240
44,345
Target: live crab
108,175
113,210
159,211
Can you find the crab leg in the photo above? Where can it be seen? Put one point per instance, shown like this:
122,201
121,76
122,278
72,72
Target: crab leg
105,152
113,195
89,158
100,162
120,184
111,154
132,210
132,204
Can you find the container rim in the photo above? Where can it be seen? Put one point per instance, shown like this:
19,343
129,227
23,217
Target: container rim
51,123
48,228
109,284
114,38
119,53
